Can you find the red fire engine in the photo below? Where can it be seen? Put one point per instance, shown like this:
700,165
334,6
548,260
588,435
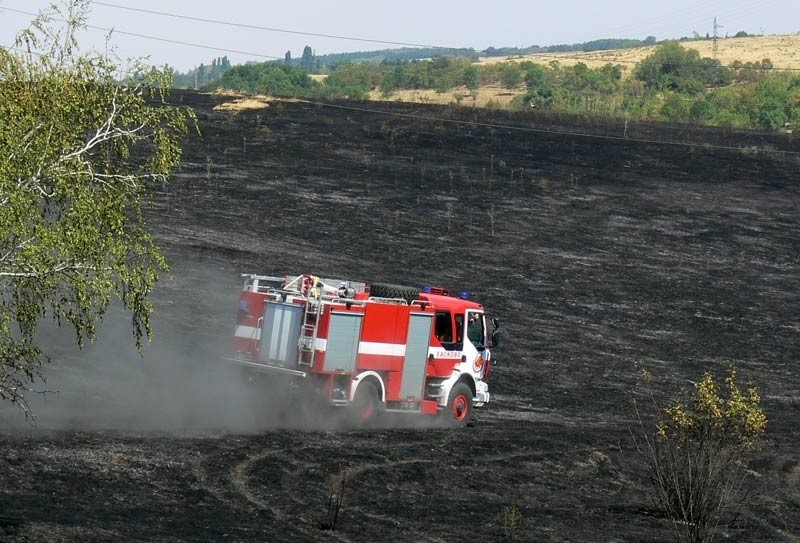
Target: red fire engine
368,348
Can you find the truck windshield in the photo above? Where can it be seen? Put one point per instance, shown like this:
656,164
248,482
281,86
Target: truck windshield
459,328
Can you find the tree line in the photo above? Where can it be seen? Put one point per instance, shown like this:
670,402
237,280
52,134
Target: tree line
202,75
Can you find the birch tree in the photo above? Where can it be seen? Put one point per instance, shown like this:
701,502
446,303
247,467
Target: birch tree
80,152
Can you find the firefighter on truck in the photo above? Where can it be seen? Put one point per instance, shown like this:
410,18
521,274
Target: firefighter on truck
368,348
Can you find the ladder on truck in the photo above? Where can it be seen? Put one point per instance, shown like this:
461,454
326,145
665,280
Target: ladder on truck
309,329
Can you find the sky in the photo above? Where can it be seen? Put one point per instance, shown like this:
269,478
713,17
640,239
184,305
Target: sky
185,33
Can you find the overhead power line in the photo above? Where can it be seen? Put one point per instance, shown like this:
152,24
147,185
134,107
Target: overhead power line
178,42
166,40
269,29
225,23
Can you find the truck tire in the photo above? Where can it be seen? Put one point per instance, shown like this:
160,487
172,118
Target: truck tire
385,290
459,405
366,404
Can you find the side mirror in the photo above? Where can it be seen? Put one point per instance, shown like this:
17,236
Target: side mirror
495,338
495,332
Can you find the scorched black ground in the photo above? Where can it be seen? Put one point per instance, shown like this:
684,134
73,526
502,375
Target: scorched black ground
600,244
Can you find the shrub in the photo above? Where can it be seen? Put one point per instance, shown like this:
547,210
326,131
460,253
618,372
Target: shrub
695,449
512,520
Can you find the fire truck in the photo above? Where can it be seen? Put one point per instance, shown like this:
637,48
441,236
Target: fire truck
368,348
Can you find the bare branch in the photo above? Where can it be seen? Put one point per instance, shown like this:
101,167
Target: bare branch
106,132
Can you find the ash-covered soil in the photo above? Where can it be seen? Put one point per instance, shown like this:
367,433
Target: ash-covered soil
599,245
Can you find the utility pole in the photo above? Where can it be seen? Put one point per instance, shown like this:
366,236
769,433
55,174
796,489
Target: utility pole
715,49
716,44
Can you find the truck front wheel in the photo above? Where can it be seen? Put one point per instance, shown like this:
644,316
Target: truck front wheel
366,403
459,405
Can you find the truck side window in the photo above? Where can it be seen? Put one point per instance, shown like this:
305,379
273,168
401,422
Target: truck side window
444,327
475,329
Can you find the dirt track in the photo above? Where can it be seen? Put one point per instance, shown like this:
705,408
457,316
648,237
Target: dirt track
598,246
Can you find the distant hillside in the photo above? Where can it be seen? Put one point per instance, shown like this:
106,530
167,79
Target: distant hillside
782,50
415,53
388,55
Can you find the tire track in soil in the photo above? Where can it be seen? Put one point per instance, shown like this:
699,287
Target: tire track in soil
238,485
239,482
201,477
394,523
239,477
241,474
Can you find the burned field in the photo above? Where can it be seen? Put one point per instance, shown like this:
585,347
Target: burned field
598,245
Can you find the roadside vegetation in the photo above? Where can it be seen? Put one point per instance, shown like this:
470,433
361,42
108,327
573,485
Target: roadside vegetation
673,84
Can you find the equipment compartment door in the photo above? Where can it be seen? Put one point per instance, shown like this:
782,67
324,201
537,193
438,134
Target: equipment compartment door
281,332
416,359
344,334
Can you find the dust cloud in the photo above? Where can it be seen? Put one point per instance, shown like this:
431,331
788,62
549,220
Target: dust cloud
180,384
181,387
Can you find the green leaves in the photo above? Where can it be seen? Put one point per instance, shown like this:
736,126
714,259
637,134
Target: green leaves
274,79
79,153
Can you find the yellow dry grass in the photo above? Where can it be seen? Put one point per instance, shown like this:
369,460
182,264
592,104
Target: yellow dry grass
240,102
783,51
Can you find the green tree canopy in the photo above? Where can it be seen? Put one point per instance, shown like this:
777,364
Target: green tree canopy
673,67
353,80
307,61
512,75
268,78
535,76
79,154
471,77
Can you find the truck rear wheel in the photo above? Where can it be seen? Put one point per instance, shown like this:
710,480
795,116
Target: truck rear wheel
366,403
384,290
459,405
